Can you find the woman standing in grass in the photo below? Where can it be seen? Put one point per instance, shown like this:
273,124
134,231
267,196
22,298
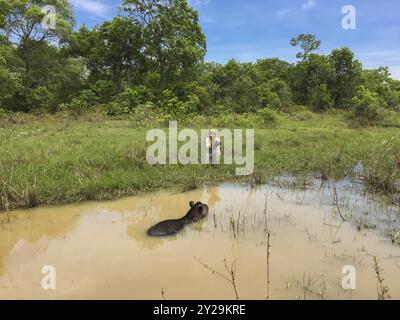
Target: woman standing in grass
214,147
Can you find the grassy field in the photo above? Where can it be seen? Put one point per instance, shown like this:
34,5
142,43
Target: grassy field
58,159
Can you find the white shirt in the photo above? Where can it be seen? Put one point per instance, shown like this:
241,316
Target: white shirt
216,146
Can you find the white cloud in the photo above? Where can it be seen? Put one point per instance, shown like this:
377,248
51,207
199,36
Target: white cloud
95,7
209,20
309,4
395,71
305,6
200,2
283,12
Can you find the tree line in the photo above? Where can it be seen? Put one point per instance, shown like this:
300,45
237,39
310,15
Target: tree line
151,55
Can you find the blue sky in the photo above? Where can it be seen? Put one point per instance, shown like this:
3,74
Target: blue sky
248,30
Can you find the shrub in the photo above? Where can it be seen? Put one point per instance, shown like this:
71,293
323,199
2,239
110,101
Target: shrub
145,114
283,91
268,116
270,99
366,108
382,169
275,94
171,105
220,109
392,99
321,98
41,98
132,97
80,104
198,97
223,120
10,85
390,118
114,109
246,120
126,101
298,108
104,90
192,104
305,115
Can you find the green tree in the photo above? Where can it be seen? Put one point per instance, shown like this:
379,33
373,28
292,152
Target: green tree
268,69
366,106
236,88
83,44
275,94
347,76
284,92
380,82
309,74
268,98
175,43
320,98
10,84
121,50
22,25
308,44
61,75
112,51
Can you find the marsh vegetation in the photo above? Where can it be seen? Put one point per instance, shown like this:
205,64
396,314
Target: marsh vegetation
56,159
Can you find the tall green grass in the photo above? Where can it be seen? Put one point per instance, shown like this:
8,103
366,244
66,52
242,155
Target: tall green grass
58,159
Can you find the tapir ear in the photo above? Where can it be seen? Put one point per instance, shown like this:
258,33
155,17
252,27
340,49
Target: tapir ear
201,208
191,204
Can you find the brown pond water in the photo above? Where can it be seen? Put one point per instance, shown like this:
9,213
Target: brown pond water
101,250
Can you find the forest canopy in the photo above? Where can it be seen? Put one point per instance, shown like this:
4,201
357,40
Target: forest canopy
151,57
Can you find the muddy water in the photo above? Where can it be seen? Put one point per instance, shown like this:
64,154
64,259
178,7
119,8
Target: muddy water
101,251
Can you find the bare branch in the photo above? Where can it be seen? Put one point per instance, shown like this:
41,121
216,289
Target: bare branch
231,271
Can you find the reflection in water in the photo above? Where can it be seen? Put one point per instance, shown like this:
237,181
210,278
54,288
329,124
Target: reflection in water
42,226
101,250
212,196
